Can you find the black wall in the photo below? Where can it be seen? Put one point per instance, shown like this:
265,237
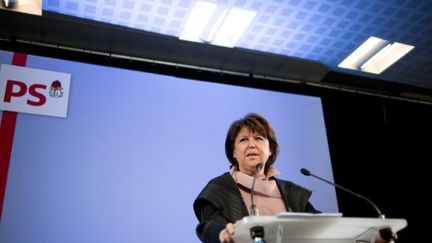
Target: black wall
381,148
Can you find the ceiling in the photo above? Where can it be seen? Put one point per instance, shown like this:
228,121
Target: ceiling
290,39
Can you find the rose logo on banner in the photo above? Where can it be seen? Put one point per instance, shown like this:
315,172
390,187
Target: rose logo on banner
34,91
56,90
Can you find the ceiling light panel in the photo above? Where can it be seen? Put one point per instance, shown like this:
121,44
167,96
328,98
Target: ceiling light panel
375,55
365,51
386,57
233,27
217,25
198,21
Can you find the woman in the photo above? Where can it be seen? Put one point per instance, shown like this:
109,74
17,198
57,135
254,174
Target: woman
226,199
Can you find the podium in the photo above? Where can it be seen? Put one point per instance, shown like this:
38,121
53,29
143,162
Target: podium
315,228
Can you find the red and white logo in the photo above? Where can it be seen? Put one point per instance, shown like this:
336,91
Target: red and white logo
35,91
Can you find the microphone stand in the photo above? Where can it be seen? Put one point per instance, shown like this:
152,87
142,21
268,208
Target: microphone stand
307,173
256,232
254,210
386,233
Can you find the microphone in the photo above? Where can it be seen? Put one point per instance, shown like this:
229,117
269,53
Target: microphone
256,232
254,210
307,173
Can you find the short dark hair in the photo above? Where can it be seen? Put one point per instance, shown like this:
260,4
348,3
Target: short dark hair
256,123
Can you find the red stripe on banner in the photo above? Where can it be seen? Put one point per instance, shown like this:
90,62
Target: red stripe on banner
7,130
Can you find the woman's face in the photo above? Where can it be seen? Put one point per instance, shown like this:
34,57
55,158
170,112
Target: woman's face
251,149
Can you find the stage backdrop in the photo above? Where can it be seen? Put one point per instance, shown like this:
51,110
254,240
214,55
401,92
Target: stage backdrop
135,150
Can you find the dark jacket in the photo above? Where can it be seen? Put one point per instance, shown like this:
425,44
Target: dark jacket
220,202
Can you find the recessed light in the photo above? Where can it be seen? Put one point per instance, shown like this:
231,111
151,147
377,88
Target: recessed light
375,55
365,51
198,21
217,25
386,57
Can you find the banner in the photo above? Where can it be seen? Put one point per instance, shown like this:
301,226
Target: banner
34,91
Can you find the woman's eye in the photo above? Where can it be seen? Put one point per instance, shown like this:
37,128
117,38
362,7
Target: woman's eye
259,138
242,139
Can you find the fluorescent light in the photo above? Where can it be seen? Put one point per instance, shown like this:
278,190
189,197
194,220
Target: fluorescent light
366,50
216,25
375,55
233,27
23,6
386,57
198,21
